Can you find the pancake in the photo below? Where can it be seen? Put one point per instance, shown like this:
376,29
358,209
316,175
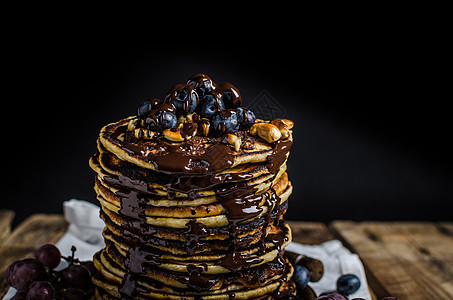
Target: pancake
207,148
194,210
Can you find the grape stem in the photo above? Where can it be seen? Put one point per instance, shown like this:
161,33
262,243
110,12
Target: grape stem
70,259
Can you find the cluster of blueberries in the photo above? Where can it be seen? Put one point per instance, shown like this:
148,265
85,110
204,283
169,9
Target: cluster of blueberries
219,103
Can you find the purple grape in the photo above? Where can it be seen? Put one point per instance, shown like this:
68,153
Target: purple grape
74,294
9,270
76,276
40,290
90,266
25,272
49,255
333,296
19,296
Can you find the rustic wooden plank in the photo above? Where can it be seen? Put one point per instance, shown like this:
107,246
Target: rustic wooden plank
6,217
310,233
33,232
407,260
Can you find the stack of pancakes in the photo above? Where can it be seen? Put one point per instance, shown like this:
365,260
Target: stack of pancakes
198,219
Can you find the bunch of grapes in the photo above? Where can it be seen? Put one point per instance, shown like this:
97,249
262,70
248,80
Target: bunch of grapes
37,278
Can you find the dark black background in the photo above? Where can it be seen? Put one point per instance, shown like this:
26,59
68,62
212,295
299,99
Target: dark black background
372,124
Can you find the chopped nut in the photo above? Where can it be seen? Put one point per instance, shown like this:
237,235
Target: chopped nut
203,127
131,124
121,137
284,132
174,136
283,123
193,117
142,133
180,134
253,129
266,131
235,141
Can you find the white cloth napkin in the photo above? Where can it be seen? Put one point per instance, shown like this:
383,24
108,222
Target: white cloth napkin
337,261
85,233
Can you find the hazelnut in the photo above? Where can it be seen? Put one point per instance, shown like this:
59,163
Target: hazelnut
234,141
203,127
283,123
269,132
174,136
142,133
131,124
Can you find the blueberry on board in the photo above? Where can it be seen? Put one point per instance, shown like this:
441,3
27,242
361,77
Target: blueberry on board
246,118
348,284
210,104
225,121
301,277
333,296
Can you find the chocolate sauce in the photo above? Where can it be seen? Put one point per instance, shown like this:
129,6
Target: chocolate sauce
195,232
234,261
229,93
197,281
279,155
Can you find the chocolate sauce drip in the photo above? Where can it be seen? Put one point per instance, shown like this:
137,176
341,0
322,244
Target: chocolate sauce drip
195,232
128,288
135,261
137,257
234,261
197,281
132,204
278,156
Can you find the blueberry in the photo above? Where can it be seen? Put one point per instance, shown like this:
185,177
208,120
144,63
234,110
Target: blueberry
348,284
301,277
246,118
166,120
146,106
211,104
201,83
225,121
230,94
184,98
333,296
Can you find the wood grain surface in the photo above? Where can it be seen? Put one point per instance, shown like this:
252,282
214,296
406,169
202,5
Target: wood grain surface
408,260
